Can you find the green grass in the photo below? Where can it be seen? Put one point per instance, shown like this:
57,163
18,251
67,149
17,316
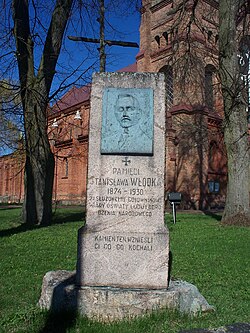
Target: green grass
214,258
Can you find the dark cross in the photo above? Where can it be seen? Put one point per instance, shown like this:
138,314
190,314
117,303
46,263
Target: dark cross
101,41
126,161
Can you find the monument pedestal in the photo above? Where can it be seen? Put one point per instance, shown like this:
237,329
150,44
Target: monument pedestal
107,304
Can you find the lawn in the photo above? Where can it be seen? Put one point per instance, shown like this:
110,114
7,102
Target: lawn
213,257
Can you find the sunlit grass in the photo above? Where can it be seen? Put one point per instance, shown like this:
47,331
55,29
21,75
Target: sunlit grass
214,258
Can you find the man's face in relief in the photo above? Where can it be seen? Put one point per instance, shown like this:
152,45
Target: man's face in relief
127,111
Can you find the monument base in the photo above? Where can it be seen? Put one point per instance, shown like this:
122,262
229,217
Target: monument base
106,304
123,259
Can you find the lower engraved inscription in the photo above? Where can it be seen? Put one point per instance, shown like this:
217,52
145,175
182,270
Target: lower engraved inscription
122,243
140,247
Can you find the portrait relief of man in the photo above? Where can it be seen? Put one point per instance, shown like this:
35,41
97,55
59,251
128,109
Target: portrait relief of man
127,121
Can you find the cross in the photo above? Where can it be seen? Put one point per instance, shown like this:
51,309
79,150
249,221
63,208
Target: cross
126,161
101,41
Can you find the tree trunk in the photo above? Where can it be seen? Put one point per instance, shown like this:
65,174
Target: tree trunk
39,166
235,123
35,88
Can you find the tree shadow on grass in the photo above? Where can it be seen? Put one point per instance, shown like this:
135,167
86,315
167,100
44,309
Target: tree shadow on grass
216,216
60,218
68,216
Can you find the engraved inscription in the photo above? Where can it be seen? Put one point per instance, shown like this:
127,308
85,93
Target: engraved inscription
126,171
123,243
127,194
140,182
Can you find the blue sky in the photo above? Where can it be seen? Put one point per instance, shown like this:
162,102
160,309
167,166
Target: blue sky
79,56
119,26
129,31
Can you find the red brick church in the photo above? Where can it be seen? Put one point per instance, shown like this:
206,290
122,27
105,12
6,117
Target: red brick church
186,51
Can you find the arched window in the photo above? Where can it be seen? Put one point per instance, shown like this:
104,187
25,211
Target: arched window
158,40
168,71
212,154
213,160
7,183
165,35
65,167
209,90
209,35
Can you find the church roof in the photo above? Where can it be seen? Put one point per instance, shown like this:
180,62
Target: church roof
73,97
129,68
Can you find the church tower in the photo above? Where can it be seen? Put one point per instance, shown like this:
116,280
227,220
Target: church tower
179,38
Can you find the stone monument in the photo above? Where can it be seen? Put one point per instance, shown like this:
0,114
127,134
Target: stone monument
125,242
123,250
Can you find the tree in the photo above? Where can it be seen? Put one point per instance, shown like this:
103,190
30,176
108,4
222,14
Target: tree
10,117
237,209
233,16
31,33
35,89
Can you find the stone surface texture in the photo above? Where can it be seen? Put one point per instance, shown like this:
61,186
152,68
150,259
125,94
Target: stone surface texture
60,293
124,242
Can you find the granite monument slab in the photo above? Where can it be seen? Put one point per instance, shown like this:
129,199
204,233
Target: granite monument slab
125,243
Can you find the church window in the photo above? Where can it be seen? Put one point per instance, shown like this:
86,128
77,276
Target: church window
65,167
209,93
7,179
158,40
165,35
213,186
212,155
209,34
